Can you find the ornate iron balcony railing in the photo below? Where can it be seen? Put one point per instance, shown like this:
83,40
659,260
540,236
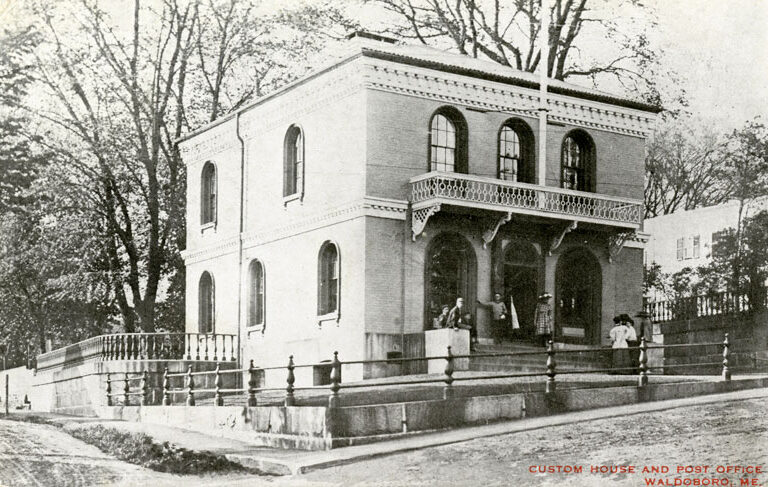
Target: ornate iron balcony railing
430,190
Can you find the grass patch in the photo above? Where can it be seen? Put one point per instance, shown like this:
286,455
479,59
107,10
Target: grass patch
140,449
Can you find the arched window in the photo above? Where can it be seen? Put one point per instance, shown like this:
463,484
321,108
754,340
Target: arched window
516,152
328,279
448,141
206,309
255,294
208,194
293,162
577,160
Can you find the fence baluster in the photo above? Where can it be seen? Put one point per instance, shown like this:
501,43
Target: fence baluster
290,400
448,388
126,390
726,355
206,345
188,339
197,352
550,367
218,400
215,348
144,388
166,387
333,399
642,380
252,383
109,389
190,387
232,347
123,346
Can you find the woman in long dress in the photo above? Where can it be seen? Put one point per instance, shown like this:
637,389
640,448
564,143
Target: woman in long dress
621,358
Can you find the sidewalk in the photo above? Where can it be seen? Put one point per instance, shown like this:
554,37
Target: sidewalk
290,462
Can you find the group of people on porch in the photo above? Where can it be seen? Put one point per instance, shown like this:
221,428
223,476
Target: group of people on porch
503,318
624,337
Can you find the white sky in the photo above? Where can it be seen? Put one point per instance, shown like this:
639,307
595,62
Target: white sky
718,47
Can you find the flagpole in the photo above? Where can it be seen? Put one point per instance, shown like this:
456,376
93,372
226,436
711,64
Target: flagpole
543,65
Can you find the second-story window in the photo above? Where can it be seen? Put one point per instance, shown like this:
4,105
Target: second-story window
577,162
328,279
516,152
293,162
448,141
208,194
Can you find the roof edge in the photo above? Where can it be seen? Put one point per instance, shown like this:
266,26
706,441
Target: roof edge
474,73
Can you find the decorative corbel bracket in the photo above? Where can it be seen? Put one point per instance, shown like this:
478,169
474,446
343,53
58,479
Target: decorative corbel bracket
616,243
560,235
419,219
490,234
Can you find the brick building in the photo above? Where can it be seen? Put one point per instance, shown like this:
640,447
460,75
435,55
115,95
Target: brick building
340,212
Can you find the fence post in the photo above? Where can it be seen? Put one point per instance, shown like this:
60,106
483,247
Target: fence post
166,388
190,387
217,385
126,390
333,399
290,400
642,379
726,355
144,388
252,383
550,367
109,389
448,388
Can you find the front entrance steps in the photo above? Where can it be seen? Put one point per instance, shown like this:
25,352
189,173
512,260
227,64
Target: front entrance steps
565,359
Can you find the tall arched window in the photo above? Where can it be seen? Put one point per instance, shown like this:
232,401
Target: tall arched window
328,279
577,160
450,272
256,294
208,194
293,162
206,308
448,141
516,154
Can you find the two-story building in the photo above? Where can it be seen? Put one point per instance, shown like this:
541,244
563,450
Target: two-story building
342,211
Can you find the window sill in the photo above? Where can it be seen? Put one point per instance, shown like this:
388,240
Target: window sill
208,226
334,316
255,329
292,197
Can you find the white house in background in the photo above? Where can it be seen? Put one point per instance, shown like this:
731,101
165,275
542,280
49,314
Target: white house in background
687,238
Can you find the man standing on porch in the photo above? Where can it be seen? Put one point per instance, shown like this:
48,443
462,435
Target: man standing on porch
499,315
460,317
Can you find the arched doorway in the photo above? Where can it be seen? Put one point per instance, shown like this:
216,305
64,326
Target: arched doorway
451,272
521,283
579,286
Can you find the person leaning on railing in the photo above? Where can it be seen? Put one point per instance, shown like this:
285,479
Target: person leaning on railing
499,315
460,317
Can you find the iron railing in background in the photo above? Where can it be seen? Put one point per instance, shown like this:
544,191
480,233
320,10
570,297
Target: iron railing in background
713,304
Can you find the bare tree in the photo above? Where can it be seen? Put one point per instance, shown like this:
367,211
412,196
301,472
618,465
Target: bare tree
684,168
507,33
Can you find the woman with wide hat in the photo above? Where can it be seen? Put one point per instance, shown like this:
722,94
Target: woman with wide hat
543,320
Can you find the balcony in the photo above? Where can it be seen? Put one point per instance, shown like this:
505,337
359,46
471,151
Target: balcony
430,191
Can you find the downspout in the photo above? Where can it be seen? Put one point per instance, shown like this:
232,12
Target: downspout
240,345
